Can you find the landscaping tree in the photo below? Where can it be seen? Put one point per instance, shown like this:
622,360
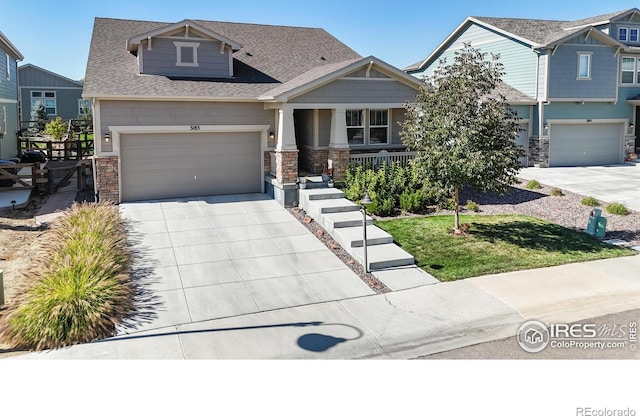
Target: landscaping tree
56,129
462,130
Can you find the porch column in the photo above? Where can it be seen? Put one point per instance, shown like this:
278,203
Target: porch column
339,144
286,148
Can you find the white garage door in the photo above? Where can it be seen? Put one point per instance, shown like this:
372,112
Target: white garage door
585,144
171,165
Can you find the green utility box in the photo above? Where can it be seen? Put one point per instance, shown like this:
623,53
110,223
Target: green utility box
597,224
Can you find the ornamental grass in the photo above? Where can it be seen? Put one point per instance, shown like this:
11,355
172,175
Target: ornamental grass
80,288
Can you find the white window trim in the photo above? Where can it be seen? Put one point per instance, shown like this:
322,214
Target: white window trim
8,67
43,98
626,35
192,45
366,127
80,102
637,34
589,65
636,69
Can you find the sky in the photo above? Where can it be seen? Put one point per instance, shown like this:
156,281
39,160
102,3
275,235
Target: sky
56,35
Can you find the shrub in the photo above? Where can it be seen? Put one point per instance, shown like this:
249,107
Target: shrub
81,288
472,206
533,184
56,129
590,201
557,192
616,208
412,201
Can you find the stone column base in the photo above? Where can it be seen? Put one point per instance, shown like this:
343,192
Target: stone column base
286,166
539,151
107,186
340,163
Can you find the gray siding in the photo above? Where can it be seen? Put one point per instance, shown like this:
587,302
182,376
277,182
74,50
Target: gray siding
362,73
162,58
543,65
303,120
31,76
366,90
563,70
397,117
66,102
324,128
150,113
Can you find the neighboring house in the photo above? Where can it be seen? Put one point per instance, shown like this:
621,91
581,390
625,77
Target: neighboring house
575,84
60,96
9,57
203,108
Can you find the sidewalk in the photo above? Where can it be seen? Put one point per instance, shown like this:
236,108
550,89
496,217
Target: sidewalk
401,324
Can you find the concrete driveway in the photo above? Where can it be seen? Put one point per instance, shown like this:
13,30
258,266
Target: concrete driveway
618,183
214,257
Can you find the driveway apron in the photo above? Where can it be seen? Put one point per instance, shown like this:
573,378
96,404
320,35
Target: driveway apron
206,258
617,183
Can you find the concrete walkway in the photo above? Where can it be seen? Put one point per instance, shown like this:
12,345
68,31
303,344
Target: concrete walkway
402,324
617,183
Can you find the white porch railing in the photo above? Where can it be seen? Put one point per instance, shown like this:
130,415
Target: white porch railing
375,159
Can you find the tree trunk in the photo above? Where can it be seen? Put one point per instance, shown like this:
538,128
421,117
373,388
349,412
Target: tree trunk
457,210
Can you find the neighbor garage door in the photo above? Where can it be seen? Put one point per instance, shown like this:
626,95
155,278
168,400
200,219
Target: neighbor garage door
585,144
170,165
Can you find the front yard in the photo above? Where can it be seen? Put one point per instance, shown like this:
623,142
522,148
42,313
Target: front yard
493,244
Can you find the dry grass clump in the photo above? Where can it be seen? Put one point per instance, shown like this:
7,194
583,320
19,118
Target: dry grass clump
80,288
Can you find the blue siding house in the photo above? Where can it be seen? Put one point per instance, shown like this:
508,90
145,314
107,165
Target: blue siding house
9,57
575,84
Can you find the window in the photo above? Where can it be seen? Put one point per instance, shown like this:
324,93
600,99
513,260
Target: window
355,126
84,107
622,34
47,99
584,65
630,70
186,53
367,126
633,35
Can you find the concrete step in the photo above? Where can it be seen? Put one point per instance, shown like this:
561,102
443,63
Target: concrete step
352,236
319,207
382,256
342,219
306,195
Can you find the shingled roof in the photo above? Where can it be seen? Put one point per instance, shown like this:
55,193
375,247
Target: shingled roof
270,56
535,32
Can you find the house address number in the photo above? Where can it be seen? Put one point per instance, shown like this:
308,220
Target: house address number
195,127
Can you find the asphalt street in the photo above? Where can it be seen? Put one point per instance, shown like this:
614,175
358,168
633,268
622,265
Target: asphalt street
618,325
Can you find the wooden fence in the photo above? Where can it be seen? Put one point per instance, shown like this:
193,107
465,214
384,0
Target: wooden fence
375,159
21,176
64,150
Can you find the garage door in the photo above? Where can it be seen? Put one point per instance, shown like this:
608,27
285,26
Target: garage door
155,166
585,144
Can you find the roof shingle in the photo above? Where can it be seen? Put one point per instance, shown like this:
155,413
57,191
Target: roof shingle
270,55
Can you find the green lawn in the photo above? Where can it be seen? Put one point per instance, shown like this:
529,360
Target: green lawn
494,244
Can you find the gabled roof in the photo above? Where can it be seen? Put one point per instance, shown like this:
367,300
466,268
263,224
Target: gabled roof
22,68
6,44
134,42
536,33
270,56
325,74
